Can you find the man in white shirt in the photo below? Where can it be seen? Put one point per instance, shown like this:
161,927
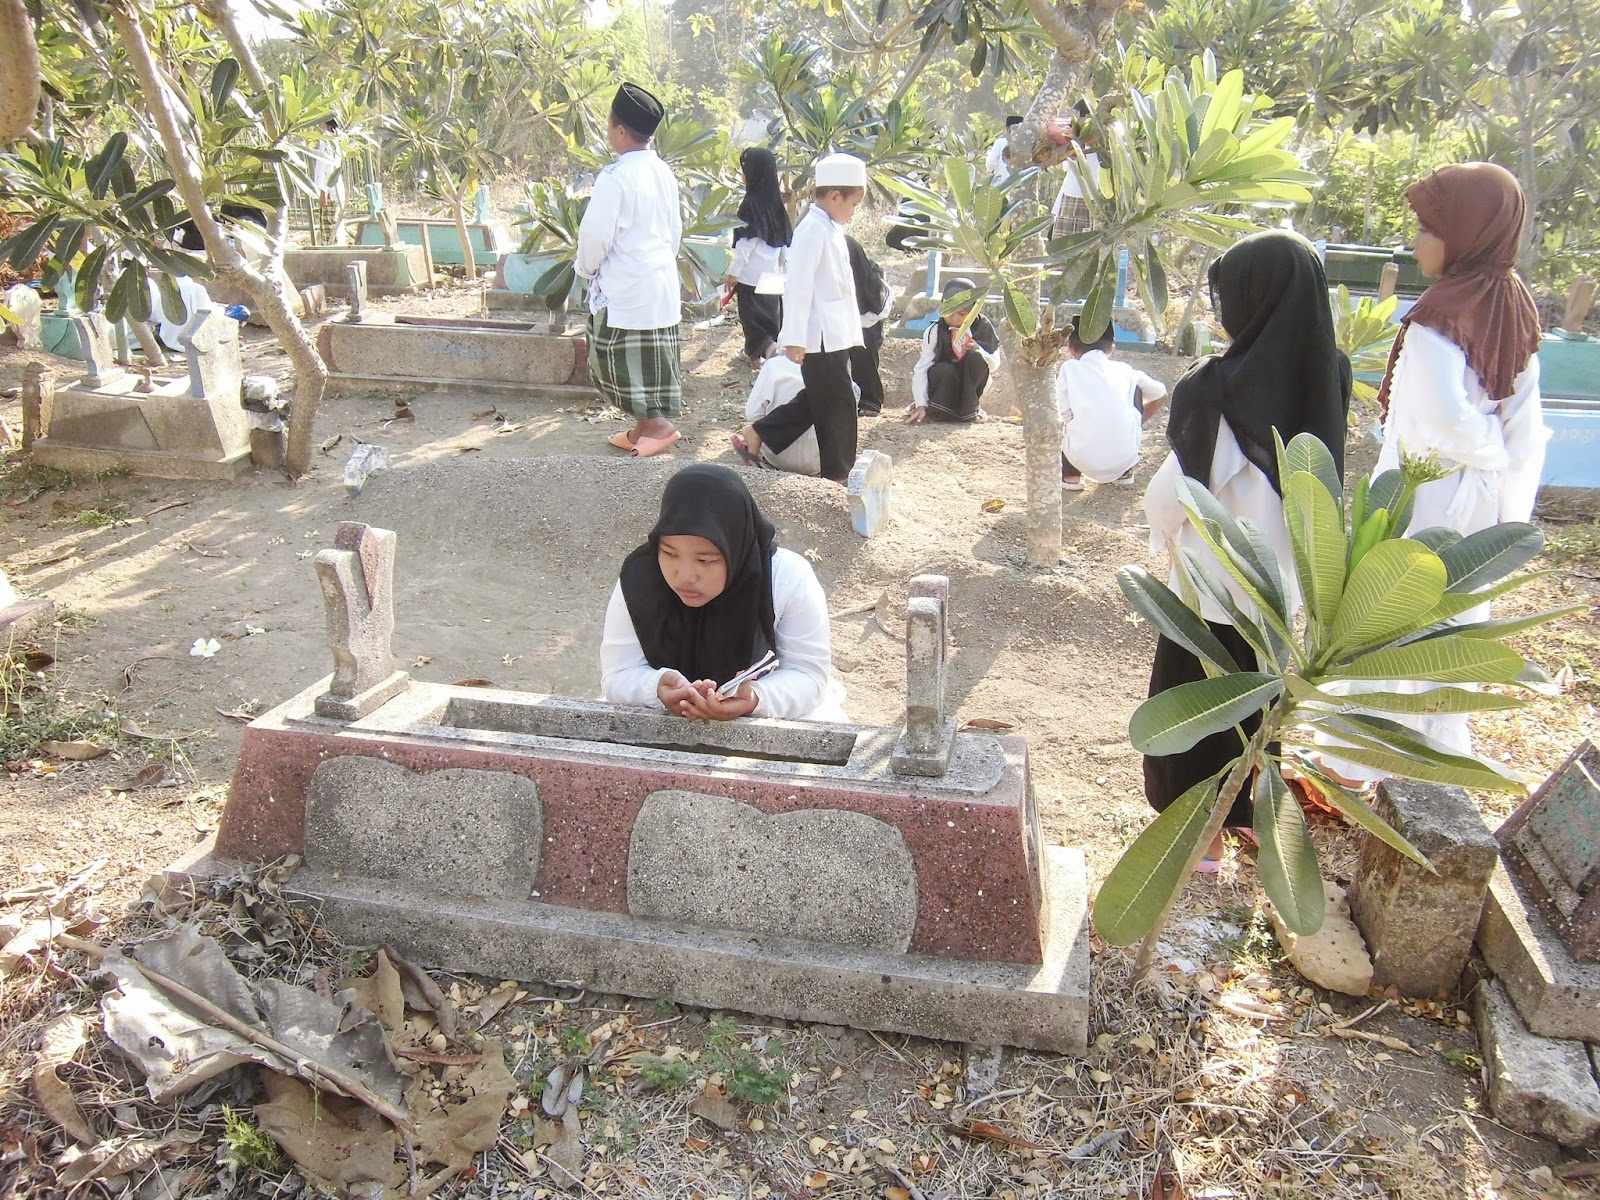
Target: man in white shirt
1104,405
628,251
821,324
995,165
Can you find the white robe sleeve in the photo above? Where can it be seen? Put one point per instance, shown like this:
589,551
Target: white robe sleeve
626,676
1149,389
741,257
598,229
919,373
1522,418
805,642
806,253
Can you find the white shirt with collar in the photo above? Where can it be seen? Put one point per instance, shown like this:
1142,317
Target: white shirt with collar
628,243
819,295
1102,413
803,686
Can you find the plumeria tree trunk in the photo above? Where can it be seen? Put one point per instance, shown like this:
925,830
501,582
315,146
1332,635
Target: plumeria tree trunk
268,288
1078,32
19,70
1033,386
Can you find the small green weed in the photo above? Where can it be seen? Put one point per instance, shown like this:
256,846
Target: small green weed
746,1073
245,1147
107,474
27,723
1462,1059
29,480
666,1074
1256,949
573,1037
101,518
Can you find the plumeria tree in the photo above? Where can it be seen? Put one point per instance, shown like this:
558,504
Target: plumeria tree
1187,159
1379,607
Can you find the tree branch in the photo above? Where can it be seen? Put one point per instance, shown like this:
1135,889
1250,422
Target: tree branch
19,71
1067,40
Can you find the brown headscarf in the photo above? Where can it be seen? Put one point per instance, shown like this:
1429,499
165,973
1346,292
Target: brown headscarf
1479,303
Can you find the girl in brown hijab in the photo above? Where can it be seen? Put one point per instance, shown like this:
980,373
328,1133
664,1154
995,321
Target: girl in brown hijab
1463,378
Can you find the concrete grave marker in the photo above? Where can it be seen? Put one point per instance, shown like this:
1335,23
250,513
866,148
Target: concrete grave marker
1551,845
25,303
215,368
357,578
868,487
38,390
924,748
94,343
356,273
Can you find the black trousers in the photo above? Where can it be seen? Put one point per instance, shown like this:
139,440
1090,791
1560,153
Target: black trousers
829,404
955,388
760,316
1168,776
864,369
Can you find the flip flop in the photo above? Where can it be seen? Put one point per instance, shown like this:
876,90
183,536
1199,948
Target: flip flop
1208,866
621,440
746,455
646,446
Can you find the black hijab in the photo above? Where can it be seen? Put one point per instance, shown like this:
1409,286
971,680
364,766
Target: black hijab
1282,370
722,638
762,209
982,331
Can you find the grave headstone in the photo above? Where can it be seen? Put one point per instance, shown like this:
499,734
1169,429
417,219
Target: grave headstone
215,368
356,273
925,746
1551,845
24,302
868,487
1580,298
357,578
94,343
1419,924
38,389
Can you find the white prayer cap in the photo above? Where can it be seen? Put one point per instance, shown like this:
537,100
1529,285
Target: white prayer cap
841,170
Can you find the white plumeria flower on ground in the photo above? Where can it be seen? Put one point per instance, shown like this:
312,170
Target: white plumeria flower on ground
205,647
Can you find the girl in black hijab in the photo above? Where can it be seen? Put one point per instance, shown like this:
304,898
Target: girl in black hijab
756,269
1282,370
709,594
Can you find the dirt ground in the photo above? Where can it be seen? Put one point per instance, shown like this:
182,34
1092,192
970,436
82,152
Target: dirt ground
512,527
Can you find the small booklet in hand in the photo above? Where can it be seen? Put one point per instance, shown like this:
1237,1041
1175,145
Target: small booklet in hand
766,666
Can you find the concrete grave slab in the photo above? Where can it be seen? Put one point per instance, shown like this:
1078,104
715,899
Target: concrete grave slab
820,874
1556,995
473,832
1419,926
1539,1085
391,271
468,355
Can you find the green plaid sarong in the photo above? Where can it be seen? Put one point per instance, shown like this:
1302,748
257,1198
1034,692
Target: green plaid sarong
637,370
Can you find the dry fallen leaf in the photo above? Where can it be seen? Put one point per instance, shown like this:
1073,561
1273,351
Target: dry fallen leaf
993,506
77,751
717,1110
697,1144
61,1040
988,1131
989,723
148,775
121,1156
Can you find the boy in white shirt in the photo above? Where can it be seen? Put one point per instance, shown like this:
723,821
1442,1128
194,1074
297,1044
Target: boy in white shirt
1104,405
628,251
821,324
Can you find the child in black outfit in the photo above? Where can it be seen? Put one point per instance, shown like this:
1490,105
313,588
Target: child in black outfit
756,269
950,378
875,300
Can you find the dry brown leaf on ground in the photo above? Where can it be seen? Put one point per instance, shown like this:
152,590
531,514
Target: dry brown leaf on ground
988,723
988,1131
381,994
466,1119
563,1140
420,991
58,1045
994,505
123,1156
76,751
146,776
492,1004
715,1109
338,1143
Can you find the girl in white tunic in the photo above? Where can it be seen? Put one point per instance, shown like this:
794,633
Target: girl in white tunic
709,594
1282,371
1463,378
756,270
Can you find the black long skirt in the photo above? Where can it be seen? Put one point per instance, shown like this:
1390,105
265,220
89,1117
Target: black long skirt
760,316
1168,776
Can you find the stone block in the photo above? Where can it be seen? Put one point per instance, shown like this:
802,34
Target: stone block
819,874
1556,995
1042,1006
211,344
1334,957
94,343
1538,1085
869,488
469,355
465,832
356,287
357,579
1418,926
924,747
22,618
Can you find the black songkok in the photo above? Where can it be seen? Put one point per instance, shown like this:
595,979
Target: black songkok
637,109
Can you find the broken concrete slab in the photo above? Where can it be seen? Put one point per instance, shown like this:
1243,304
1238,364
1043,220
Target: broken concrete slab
1334,957
1538,1085
1556,995
820,874
455,830
1419,926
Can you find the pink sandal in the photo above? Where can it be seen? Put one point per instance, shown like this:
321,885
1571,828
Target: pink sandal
621,440
646,446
